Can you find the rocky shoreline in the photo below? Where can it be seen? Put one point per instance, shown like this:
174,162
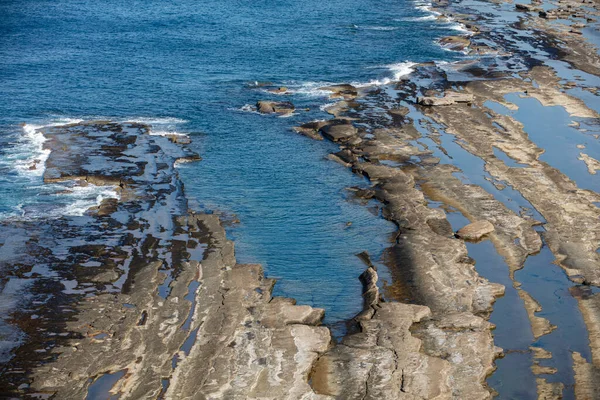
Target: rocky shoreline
385,146
143,298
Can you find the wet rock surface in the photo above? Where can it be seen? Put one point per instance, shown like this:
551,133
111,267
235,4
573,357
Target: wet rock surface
147,295
141,292
407,158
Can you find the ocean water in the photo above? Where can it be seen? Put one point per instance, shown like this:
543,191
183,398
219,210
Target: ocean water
192,67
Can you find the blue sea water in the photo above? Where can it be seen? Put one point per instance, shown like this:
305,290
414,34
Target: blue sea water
188,66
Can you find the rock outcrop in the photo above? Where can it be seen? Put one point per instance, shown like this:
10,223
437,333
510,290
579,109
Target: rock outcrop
446,100
275,107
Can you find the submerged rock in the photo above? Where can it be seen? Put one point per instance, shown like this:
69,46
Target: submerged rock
279,90
475,231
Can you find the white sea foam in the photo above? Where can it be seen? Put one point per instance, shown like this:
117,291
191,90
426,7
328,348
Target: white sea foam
247,108
287,115
402,69
157,120
31,144
427,8
325,106
28,158
167,133
430,17
28,155
83,200
398,71
458,26
379,28
309,89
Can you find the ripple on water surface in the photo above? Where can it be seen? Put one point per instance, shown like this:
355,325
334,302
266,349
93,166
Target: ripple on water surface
188,63
295,216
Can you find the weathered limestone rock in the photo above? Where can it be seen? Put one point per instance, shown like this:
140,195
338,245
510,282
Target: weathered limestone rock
592,164
440,184
179,139
172,314
383,361
587,378
448,99
539,326
475,230
549,390
370,293
572,230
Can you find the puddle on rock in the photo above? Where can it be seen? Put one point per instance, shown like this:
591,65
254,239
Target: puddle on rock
100,388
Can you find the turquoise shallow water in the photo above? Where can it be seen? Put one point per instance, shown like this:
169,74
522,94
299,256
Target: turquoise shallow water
188,67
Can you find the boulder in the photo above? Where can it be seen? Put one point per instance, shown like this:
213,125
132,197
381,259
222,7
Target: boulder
278,107
475,230
339,131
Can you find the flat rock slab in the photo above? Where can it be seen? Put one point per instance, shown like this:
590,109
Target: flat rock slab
104,152
339,131
448,99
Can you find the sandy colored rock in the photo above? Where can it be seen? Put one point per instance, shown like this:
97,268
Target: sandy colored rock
446,100
539,326
475,230
592,164
540,353
549,390
538,369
